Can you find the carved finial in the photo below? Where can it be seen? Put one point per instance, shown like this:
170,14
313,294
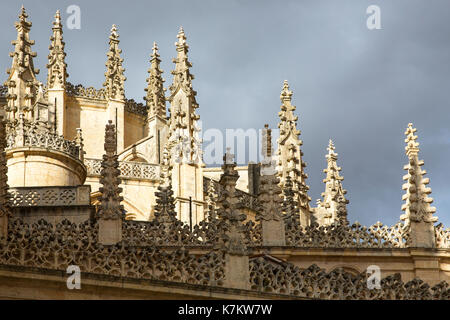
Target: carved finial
22,83
290,162
229,164
23,15
184,126
331,148
412,146
57,66
165,206
228,209
286,94
181,39
114,35
155,98
115,79
182,78
269,198
334,204
110,207
417,203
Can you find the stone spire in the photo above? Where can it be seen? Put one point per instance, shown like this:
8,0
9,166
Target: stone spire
114,82
417,203
269,197
110,207
231,236
228,208
182,77
334,204
183,106
269,190
22,83
165,206
156,100
290,156
56,66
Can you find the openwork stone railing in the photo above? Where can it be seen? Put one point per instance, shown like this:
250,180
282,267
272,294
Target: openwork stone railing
49,196
30,135
47,246
80,91
135,107
346,236
313,282
128,169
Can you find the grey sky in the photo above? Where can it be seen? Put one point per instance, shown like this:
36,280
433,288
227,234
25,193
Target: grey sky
357,86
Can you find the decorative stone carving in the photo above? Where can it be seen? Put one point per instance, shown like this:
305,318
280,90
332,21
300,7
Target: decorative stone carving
128,169
313,282
49,196
418,215
34,134
333,208
184,143
290,156
134,107
346,236
110,207
80,91
269,213
46,246
245,199
155,98
56,66
22,83
114,83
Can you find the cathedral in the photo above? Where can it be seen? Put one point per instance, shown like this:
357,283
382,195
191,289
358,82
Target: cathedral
94,180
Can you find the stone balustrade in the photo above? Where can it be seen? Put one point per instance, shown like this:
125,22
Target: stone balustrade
49,196
128,169
31,135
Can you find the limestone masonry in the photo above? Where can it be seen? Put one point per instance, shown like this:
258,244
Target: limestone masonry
91,178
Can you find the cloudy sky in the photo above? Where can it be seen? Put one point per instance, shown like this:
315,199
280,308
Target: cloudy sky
359,87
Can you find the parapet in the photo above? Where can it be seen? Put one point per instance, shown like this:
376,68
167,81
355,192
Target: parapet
39,157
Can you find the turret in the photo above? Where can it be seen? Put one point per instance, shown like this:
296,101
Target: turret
36,153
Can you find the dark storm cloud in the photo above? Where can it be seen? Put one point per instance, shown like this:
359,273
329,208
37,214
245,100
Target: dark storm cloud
356,86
